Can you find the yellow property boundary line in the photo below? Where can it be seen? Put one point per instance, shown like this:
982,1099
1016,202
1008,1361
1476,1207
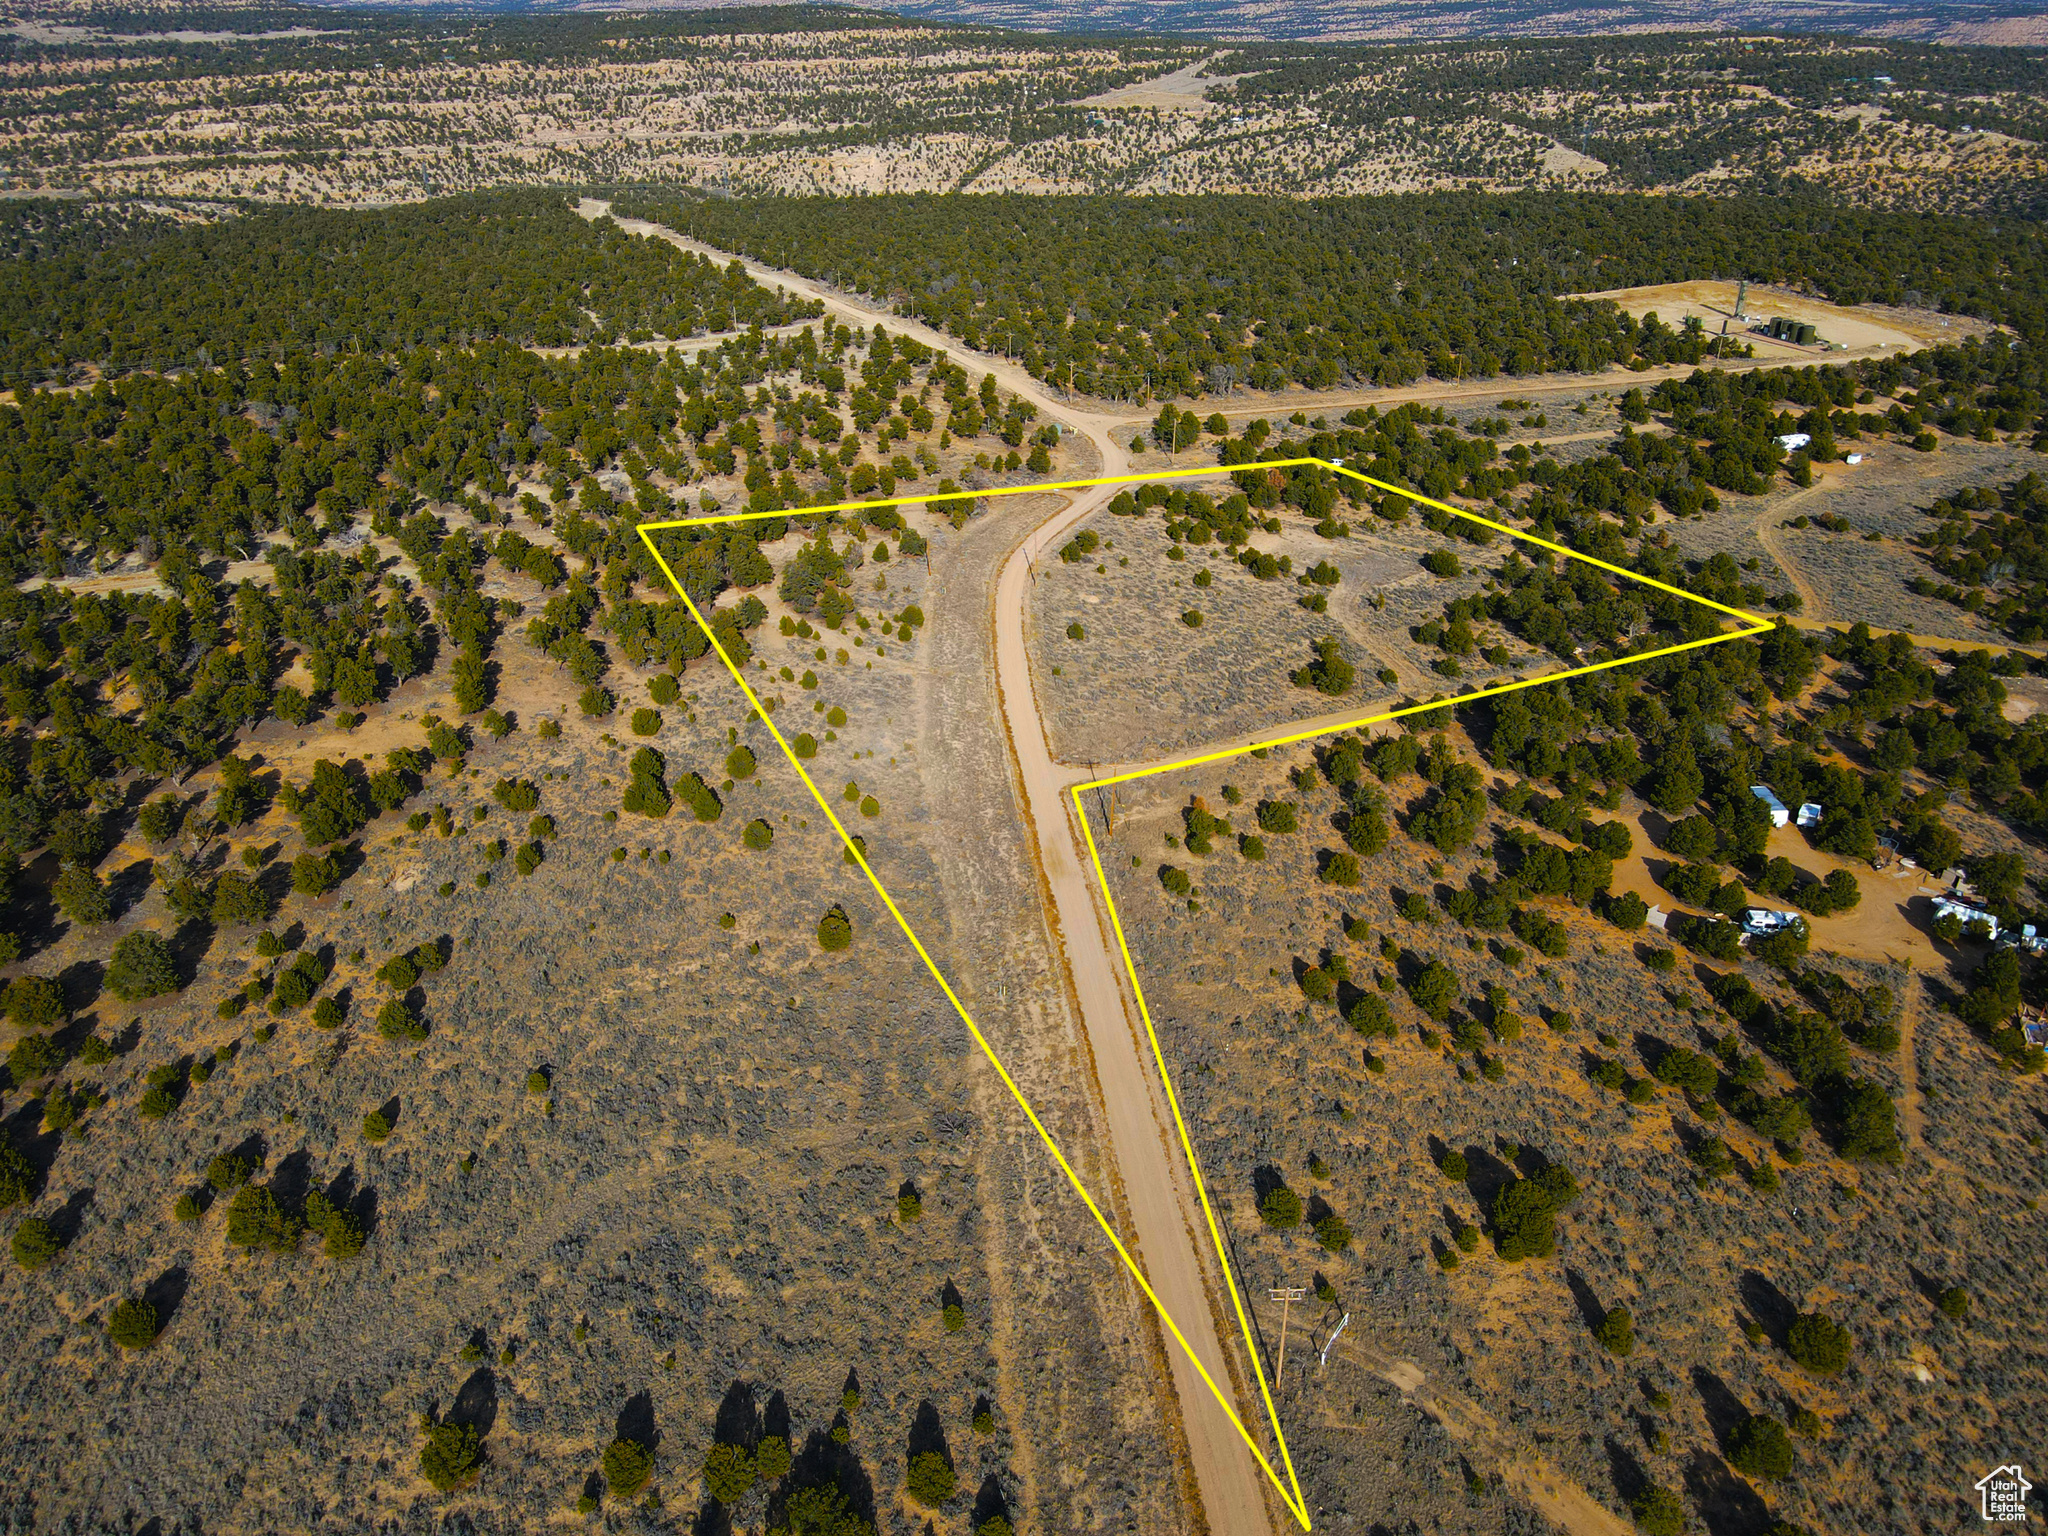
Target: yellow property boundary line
1289,1491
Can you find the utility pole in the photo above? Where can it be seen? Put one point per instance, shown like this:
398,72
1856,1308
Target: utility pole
1287,1296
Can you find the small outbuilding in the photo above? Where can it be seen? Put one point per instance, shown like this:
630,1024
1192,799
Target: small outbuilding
1809,814
1779,815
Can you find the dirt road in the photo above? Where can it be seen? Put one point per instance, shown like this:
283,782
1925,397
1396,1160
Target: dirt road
1163,1208
1278,405
1164,1205
1168,1236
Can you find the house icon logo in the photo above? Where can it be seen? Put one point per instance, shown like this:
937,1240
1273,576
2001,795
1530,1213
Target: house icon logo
2004,1494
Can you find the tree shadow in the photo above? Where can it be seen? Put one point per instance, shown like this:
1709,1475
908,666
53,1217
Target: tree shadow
1486,1175
1651,1048
274,880
949,1296
1723,1408
738,1421
129,884
23,1130
1929,1288
1629,1477
1590,1309
714,1519
775,1417
1524,1161
824,1463
989,1503
476,1404
927,1434
80,982
70,1035
1771,1307
1690,1137
361,1203
348,858
636,1421
389,1110
166,1293
1704,972
69,1217
251,1149
293,1178
1727,1505
190,943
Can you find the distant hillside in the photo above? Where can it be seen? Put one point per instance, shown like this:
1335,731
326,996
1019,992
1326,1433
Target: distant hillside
1300,20
1942,21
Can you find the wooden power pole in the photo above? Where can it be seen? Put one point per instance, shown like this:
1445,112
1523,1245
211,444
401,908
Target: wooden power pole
1287,1296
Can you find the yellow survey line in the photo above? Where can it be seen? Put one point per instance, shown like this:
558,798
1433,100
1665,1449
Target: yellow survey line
853,849
1756,624
1290,1492
1001,490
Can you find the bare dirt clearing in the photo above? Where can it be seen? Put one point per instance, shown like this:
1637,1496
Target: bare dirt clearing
1185,90
1855,328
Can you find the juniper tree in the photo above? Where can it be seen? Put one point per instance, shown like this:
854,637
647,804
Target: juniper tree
451,1455
835,930
133,1324
35,1243
1760,1447
141,966
1817,1342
